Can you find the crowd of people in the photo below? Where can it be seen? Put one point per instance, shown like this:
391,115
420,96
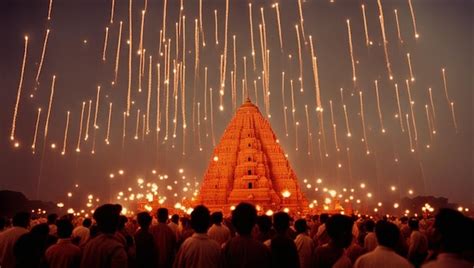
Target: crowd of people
244,239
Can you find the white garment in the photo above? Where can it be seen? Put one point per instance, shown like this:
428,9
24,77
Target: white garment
219,233
448,260
8,239
370,241
305,246
83,233
174,227
382,257
198,251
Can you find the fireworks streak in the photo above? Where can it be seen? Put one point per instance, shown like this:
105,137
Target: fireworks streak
385,42
300,10
105,43
284,102
88,120
97,101
148,102
50,106
411,110
379,109
158,102
399,34
78,147
308,127
412,78
348,130
216,28
137,124
43,52
367,40
130,29
409,133
443,72
212,117
50,8
363,122
200,24
334,128
66,128
165,3
432,103
112,10
33,145
117,57
454,117
412,12
107,137
315,75
141,53
18,95
277,10
251,36
299,56
399,115
349,35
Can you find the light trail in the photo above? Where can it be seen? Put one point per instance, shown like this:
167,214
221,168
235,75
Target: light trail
18,95
104,51
78,147
33,145
43,53
66,128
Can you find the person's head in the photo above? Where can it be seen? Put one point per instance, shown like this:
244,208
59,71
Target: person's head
315,218
404,220
413,223
40,231
216,218
162,215
339,229
369,225
107,217
21,219
175,218
144,220
281,222
87,222
301,226
244,217
122,221
52,218
200,219
323,218
453,230
185,222
387,234
64,228
264,223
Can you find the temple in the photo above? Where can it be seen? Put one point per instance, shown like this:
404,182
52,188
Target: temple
249,165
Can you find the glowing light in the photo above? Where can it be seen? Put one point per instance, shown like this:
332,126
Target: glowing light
286,193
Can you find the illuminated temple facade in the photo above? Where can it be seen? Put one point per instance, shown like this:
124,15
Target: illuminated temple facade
249,165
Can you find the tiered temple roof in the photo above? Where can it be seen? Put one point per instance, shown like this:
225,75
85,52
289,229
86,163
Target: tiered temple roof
249,165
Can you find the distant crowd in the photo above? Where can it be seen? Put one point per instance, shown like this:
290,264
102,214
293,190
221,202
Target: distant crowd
244,239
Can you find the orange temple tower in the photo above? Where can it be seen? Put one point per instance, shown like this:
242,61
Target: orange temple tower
249,165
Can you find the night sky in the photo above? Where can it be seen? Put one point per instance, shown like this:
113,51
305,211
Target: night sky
74,55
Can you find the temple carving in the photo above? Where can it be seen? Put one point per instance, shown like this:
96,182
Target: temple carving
249,165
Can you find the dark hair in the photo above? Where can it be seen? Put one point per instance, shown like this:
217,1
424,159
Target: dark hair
369,225
175,218
21,219
301,226
64,228
339,229
200,219
244,217
455,230
413,223
122,221
264,223
144,219
281,222
216,217
162,215
387,234
52,218
323,218
87,222
40,230
107,218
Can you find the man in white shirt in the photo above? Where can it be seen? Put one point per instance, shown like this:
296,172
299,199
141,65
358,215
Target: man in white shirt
199,250
370,240
8,238
82,232
384,254
453,231
218,232
304,244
